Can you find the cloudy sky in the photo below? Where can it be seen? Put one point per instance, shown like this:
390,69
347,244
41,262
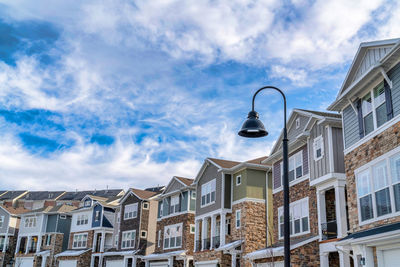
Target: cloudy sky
125,93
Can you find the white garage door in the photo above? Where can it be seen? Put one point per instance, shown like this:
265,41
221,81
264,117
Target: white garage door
205,264
269,264
159,264
24,262
391,257
68,263
115,263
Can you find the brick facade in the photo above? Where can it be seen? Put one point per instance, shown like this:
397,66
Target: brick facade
131,224
377,146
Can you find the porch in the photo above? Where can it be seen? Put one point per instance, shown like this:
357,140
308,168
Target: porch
212,231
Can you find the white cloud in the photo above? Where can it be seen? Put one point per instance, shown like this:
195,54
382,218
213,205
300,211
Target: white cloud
298,77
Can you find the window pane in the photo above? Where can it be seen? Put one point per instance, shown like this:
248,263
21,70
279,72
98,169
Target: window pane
208,198
368,124
291,163
366,104
166,243
178,241
213,196
319,152
304,224
297,226
363,183
291,176
172,242
395,167
299,171
383,202
366,208
380,176
379,95
396,189
381,115
281,227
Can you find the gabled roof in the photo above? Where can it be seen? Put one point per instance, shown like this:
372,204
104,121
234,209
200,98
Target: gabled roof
139,193
79,195
14,211
53,209
42,195
157,189
186,181
11,195
222,163
257,160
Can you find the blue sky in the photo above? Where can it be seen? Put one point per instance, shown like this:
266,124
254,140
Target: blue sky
129,93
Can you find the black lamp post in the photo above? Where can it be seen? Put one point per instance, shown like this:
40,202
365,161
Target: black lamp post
253,128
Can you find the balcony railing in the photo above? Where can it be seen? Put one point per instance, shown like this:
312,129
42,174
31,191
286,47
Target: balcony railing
32,249
329,230
216,242
206,243
198,245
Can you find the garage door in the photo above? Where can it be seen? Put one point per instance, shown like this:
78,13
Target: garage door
205,264
269,264
114,263
67,263
24,262
159,264
391,257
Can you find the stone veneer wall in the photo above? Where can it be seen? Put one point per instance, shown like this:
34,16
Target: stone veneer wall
252,230
89,243
187,238
377,146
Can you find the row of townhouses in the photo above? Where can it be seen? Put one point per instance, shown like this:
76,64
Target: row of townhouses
344,179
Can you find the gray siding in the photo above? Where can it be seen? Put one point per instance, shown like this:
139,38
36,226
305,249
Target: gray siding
210,173
394,75
293,132
64,226
350,126
3,229
320,167
338,154
228,181
371,57
174,186
51,223
192,202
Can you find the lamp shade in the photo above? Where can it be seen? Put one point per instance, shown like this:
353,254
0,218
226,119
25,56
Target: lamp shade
253,127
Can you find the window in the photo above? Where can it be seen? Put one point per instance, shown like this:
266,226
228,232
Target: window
118,216
80,240
175,206
63,217
193,228
30,222
173,236
48,240
238,218
1,221
297,123
97,216
378,188
159,239
193,194
373,107
228,226
143,234
295,166
88,203
145,205
130,211
82,219
318,148
299,219
238,180
208,193
128,239
116,240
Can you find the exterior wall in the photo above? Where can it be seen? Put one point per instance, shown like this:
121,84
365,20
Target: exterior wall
10,252
377,146
97,208
6,216
85,227
51,223
293,132
173,186
31,230
83,260
270,209
350,126
394,75
64,227
55,247
89,243
187,238
152,227
338,147
210,173
252,184
372,55
209,255
144,226
228,191
130,224
252,221
320,167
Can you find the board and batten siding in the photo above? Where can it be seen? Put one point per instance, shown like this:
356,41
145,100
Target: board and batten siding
320,167
6,215
372,56
293,132
174,186
277,181
210,173
394,75
350,126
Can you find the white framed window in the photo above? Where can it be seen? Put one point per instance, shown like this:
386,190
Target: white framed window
143,234
128,239
373,106
193,194
145,205
82,219
297,123
173,236
1,221
116,240
97,216
63,217
48,240
80,240
130,211
378,188
299,218
208,193
30,222
159,239
318,147
118,216
295,166
238,179
193,228
175,205
238,220
87,203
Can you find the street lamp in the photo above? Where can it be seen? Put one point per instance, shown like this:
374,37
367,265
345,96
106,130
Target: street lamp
253,128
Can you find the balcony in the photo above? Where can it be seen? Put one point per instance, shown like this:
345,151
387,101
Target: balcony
32,249
206,243
216,242
329,230
198,245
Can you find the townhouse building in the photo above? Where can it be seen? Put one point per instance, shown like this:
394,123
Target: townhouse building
33,200
91,233
9,226
231,211
175,225
42,234
136,223
369,102
317,187
75,197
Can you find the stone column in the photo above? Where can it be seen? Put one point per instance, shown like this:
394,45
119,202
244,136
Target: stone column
28,244
321,211
324,259
196,234
344,259
213,226
102,242
222,229
341,217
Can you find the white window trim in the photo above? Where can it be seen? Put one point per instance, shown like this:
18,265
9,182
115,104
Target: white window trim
368,166
143,232
238,177
316,140
135,205
171,227
211,202
193,194
146,204
81,234
240,219
290,205
134,240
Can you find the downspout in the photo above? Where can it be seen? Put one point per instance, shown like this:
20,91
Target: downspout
266,210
